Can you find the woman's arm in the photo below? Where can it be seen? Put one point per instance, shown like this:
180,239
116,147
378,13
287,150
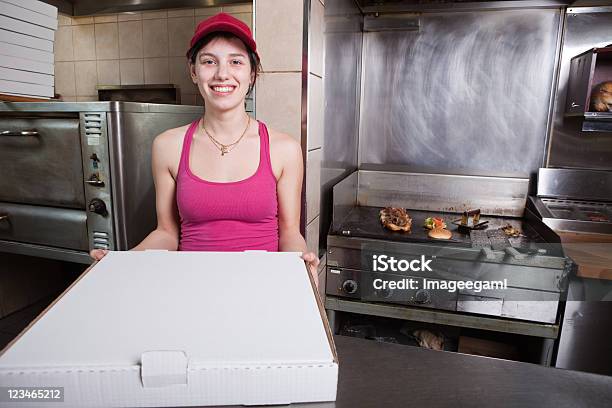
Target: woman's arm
166,235
289,193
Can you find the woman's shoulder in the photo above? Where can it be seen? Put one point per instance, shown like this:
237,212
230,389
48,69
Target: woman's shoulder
284,144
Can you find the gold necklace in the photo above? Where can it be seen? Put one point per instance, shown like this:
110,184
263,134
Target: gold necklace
226,148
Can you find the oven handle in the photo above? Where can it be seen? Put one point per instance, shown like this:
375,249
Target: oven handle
29,132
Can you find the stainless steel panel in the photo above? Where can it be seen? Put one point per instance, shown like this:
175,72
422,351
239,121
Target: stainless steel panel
97,179
343,45
443,192
56,227
584,343
444,317
61,107
42,167
570,146
465,95
131,136
575,184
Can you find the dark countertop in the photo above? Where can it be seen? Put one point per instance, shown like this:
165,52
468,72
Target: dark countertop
388,375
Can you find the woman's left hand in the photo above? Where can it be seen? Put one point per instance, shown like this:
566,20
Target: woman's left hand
312,262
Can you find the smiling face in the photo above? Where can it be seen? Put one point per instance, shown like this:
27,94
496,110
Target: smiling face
222,71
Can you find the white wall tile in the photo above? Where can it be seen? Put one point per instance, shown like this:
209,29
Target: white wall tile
108,72
131,71
107,41
179,75
279,96
313,184
147,15
207,11
86,98
84,42
105,19
63,20
82,20
63,47
180,31
129,16
65,82
130,39
241,8
181,13
86,75
279,34
155,37
156,71
315,112
316,42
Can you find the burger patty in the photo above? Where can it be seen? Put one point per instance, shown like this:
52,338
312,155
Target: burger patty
395,219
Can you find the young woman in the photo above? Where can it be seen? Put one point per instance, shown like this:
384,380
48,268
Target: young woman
226,182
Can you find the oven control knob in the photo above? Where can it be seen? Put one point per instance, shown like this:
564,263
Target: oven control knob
422,296
349,286
97,206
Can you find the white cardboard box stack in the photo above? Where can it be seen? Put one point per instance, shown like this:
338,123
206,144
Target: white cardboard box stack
27,33
160,328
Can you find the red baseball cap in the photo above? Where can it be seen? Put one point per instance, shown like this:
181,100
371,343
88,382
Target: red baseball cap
224,22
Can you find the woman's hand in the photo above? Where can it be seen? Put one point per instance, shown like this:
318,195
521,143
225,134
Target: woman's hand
312,262
98,254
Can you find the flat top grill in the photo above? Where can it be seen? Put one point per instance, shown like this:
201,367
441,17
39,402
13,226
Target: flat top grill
364,222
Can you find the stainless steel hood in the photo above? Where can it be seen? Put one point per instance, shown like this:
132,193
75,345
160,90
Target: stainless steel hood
92,7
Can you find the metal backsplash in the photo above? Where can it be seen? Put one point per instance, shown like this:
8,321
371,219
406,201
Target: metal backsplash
343,42
585,28
470,93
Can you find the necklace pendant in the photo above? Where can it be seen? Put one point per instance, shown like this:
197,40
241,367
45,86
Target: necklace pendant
223,150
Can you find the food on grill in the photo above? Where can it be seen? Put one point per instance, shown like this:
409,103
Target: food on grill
434,222
510,231
395,219
601,98
440,233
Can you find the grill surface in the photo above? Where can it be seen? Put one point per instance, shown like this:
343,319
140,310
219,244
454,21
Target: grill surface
364,222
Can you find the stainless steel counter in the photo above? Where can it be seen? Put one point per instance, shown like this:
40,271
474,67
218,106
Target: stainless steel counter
387,375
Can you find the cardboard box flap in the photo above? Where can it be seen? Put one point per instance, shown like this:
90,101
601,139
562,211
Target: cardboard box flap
163,368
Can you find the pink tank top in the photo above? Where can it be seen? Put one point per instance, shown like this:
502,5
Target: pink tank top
235,216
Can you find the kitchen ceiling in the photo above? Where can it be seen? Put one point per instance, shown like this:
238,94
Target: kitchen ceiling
92,7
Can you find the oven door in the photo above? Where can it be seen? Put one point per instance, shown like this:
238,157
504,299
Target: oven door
40,161
58,227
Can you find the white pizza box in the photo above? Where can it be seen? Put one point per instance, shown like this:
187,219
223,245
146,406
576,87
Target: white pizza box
19,26
17,11
23,64
26,76
11,37
23,88
20,51
35,5
159,328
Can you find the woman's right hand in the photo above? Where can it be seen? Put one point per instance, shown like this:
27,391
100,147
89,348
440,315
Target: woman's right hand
98,254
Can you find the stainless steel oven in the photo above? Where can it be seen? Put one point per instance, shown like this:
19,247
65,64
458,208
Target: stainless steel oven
77,176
